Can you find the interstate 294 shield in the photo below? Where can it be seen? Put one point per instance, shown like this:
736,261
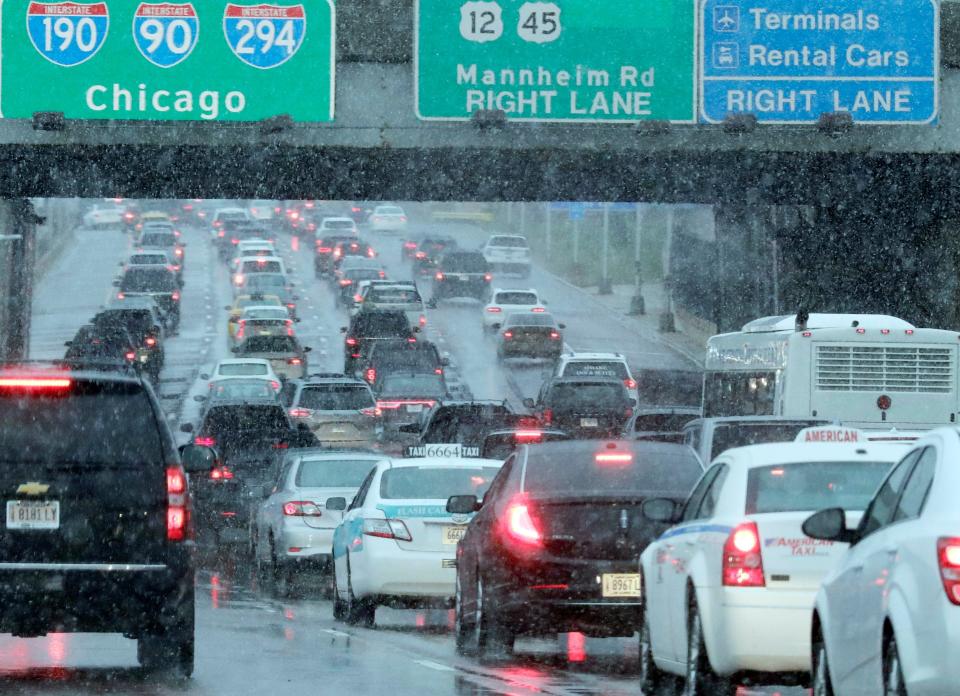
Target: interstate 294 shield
67,33
264,36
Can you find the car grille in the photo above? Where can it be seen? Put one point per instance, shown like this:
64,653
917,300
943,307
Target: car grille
912,369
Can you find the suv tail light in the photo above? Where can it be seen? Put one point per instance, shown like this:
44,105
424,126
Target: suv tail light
528,436
439,275
948,557
300,412
351,341
742,561
294,361
323,250
221,473
519,526
630,383
487,277
151,341
370,375
370,252
508,335
548,416
374,412
386,529
422,320
301,508
176,504
494,310
175,296
420,255
555,335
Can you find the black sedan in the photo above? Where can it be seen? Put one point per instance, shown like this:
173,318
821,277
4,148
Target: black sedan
554,545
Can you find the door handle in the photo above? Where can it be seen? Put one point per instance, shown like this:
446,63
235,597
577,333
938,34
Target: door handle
891,550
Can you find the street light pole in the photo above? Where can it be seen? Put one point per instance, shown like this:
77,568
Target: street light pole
637,304
605,287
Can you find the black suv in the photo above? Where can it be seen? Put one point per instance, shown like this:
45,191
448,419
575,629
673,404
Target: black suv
98,529
139,316
462,274
250,435
378,325
381,358
584,407
158,282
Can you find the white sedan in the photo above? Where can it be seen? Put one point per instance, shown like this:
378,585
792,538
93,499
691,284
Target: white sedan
886,618
243,368
397,544
504,302
388,218
104,216
730,587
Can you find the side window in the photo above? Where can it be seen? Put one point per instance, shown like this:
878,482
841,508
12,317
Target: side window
918,487
282,475
881,508
709,504
696,497
362,492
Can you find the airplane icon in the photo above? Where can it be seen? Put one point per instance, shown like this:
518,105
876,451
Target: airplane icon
726,18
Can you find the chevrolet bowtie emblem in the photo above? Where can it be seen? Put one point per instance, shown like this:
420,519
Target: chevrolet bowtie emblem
33,488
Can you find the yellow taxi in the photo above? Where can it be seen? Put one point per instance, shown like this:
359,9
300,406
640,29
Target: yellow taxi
241,302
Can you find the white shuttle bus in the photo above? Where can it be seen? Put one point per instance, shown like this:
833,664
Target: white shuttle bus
867,371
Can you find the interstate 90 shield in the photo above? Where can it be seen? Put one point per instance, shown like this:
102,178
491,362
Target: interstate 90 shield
67,33
264,36
165,33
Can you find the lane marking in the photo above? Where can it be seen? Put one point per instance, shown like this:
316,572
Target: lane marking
334,632
435,666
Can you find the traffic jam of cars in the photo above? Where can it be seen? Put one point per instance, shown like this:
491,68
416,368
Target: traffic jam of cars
797,527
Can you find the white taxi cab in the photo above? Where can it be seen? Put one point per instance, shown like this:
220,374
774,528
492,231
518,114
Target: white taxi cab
730,588
397,544
885,619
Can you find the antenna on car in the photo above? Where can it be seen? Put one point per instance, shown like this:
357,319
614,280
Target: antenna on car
803,316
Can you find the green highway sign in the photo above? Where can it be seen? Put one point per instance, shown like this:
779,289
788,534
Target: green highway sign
206,60
566,60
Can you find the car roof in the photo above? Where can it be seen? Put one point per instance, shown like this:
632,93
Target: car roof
343,379
315,454
272,308
337,219
240,361
507,236
589,447
754,456
531,290
247,401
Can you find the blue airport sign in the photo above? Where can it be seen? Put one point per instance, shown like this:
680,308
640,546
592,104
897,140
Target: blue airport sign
789,61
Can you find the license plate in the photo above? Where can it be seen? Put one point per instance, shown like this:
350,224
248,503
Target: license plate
414,408
589,423
451,535
621,584
33,514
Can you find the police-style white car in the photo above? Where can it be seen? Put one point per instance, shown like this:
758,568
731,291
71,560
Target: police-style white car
397,543
730,588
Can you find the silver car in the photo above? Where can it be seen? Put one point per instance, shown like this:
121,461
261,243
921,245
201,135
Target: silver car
293,530
341,411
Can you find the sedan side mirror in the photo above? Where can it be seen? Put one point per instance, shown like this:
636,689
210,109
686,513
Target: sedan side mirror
829,525
462,504
661,510
204,375
198,458
68,343
307,349
496,327
343,329
529,403
336,504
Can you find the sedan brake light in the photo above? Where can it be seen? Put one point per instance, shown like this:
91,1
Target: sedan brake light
176,504
519,525
630,383
494,310
221,473
948,557
204,441
742,560
439,275
386,529
302,508
35,383
300,412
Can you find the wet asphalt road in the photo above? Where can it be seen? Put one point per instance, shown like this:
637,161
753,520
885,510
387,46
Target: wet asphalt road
248,643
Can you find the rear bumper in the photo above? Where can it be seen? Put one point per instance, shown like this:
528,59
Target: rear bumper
383,570
90,597
461,288
531,350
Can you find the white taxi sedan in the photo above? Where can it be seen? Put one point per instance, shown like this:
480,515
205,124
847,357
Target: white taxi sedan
730,587
397,543
503,303
886,617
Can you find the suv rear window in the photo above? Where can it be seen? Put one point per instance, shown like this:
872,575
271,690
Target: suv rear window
261,266
148,280
598,368
516,298
226,419
91,423
394,296
465,263
147,259
426,385
434,483
158,239
513,242
269,344
333,473
338,224
665,470
336,397
586,395
242,369
813,486
381,324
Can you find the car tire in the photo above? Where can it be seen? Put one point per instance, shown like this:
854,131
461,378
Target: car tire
822,684
360,612
170,648
339,606
494,639
282,585
651,678
699,679
464,631
893,683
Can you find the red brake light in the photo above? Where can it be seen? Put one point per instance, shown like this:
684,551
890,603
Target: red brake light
494,310
370,252
351,341
383,274
120,295
151,341
130,355
630,383
221,473
421,255
234,241
324,250
411,339
409,245
176,504
422,321
374,412
35,383
176,481
614,458
555,335
508,335
387,529
528,436
548,416
302,508
519,525
439,275
345,282
294,361
487,277
370,375
742,561
300,412
948,557
291,305
539,310
204,441
175,296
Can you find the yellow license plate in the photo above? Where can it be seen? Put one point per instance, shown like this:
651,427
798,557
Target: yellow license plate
451,535
621,584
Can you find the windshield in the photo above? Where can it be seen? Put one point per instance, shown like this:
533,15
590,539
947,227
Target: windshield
813,486
333,473
338,224
465,263
435,483
226,419
242,389
515,298
158,239
585,394
515,242
265,281
336,398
